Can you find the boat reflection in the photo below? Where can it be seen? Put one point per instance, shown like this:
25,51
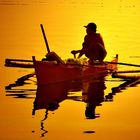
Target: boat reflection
128,82
49,96
92,93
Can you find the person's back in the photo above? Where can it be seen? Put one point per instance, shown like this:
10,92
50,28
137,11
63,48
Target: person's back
93,46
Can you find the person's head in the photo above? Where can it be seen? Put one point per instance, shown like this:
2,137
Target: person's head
91,27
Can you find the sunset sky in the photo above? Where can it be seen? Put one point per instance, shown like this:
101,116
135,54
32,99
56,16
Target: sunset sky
63,20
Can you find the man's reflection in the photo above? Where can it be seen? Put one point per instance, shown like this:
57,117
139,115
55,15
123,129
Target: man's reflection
93,95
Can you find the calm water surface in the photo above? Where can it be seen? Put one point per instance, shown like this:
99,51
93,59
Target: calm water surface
23,113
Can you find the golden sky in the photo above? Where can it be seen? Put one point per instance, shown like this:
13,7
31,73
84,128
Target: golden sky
117,21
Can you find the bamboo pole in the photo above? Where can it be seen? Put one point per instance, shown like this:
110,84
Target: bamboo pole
46,42
121,63
128,71
115,75
17,60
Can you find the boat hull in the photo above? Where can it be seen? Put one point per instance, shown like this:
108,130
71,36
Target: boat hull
49,72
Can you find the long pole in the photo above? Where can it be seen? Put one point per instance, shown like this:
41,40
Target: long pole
120,63
46,42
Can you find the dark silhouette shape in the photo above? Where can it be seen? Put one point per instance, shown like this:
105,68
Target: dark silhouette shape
49,96
20,81
93,95
93,45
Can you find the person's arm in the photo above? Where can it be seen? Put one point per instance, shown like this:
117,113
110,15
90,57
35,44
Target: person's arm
80,54
82,51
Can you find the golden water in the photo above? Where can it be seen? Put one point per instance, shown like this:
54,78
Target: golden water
20,37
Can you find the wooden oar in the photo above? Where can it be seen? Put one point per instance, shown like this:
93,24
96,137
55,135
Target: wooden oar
46,42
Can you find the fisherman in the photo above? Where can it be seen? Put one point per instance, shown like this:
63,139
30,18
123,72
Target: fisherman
93,45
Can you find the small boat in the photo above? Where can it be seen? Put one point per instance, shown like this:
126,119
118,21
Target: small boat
50,71
53,72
